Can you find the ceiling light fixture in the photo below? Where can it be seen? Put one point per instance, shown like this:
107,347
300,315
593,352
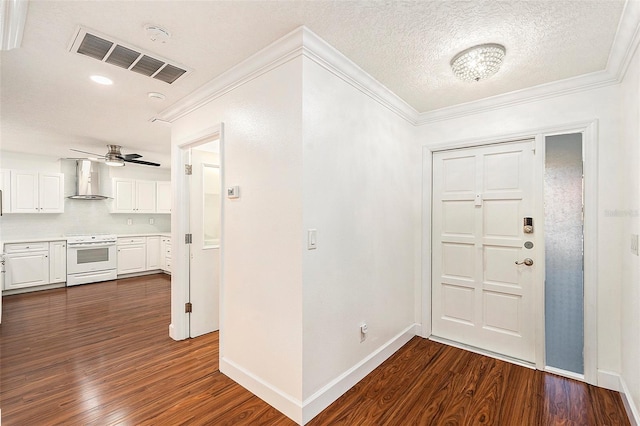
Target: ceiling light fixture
101,80
113,160
478,62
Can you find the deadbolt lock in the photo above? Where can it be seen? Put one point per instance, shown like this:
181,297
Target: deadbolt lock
528,225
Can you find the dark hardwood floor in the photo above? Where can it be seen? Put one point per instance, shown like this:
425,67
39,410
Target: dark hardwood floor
100,354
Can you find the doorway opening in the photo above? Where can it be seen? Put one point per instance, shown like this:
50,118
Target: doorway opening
197,176
564,253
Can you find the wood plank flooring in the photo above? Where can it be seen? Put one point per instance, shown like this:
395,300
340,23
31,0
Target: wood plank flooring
100,354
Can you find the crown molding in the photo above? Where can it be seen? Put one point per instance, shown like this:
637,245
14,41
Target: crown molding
303,42
325,55
12,22
300,42
624,46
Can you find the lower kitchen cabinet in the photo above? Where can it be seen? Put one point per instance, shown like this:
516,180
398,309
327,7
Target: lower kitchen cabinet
165,254
132,255
57,261
26,265
153,253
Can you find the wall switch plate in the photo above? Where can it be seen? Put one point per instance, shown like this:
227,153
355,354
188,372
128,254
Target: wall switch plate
312,239
151,221
233,192
129,222
634,244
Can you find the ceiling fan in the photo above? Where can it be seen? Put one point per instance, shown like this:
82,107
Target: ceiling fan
114,157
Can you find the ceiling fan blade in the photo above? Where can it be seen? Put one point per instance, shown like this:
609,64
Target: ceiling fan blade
131,156
146,163
86,152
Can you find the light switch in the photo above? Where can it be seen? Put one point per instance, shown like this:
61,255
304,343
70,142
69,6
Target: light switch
312,239
233,192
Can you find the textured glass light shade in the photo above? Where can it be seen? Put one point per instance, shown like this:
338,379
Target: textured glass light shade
478,62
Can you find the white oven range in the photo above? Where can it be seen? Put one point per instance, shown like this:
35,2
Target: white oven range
91,258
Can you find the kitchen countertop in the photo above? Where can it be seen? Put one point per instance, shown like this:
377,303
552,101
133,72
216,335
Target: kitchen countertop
64,238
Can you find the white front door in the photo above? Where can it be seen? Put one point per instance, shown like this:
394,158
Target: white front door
204,264
480,296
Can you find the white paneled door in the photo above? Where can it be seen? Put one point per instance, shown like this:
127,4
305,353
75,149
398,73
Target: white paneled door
481,296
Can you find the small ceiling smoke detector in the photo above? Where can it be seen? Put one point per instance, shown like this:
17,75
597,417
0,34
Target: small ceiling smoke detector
156,33
156,96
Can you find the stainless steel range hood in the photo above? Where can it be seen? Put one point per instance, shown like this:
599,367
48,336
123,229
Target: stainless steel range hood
87,182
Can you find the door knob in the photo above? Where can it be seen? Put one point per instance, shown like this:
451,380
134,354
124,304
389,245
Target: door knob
527,262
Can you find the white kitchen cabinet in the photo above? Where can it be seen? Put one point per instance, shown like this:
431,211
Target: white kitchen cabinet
134,196
57,261
165,254
33,192
26,265
5,187
132,255
163,197
153,253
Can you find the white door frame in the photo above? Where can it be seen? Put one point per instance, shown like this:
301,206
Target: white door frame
179,328
589,130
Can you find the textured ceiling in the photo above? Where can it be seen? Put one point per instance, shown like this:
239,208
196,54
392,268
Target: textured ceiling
49,105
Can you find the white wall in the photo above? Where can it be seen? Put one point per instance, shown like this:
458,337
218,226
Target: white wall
261,312
629,218
80,216
601,104
361,192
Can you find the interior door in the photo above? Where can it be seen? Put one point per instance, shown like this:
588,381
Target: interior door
204,286
482,291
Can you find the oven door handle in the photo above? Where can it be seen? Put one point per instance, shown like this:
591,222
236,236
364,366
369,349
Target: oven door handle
90,245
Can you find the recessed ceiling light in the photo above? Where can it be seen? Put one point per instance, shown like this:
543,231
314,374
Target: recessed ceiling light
101,80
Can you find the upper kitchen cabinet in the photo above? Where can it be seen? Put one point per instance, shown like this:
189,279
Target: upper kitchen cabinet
134,196
5,188
34,192
163,197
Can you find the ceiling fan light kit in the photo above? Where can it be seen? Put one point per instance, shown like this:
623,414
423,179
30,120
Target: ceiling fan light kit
478,62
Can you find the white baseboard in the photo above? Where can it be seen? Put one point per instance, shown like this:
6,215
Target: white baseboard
286,404
302,412
632,411
336,388
609,380
172,332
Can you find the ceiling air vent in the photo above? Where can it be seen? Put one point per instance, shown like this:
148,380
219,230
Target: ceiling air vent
107,49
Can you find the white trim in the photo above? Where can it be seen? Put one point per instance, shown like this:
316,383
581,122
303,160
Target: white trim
179,328
632,410
626,42
563,373
302,412
480,351
281,401
300,41
12,23
539,291
427,183
590,234
320,400
303,41
609,380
